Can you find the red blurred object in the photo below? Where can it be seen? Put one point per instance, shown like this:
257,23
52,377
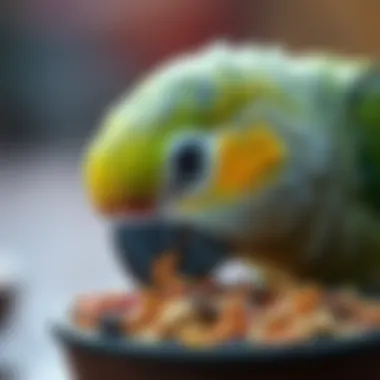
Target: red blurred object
97,304
156,29
136,34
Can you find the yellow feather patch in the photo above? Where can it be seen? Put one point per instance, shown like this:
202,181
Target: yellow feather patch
247,159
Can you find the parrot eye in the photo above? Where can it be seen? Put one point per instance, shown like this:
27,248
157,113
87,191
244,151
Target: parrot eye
189,163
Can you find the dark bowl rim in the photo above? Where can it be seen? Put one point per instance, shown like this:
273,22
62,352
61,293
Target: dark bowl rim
233,353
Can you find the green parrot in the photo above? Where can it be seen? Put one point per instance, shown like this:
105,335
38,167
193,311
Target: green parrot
275,153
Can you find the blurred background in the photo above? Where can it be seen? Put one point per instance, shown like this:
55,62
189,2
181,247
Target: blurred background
61,63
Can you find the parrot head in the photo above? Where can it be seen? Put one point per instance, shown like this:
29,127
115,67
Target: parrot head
202,144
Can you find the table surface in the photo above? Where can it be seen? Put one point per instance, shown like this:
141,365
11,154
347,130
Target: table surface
62,249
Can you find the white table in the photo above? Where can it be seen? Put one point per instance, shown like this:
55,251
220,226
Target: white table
62,248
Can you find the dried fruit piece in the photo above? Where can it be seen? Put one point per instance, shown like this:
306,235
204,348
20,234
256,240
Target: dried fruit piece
368,315
148,335
116,302
174,314
149,307
233,320
323,324
164,270
307,300
86,312
195,335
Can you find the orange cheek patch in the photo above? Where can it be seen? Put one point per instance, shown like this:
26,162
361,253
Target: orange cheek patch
247,158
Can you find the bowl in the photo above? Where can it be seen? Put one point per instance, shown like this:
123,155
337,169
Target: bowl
92,357
95,357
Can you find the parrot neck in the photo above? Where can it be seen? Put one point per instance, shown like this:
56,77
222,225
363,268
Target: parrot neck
352,254
364,121
368,159
345,252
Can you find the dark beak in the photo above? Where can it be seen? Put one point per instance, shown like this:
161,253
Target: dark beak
139,245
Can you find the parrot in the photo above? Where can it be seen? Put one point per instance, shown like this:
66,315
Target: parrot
272,154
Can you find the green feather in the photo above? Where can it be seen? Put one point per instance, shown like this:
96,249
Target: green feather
364,113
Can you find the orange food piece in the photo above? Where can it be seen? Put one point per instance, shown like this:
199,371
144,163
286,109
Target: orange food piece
368,315
233,321
86,312
164,270
279,324
86,321
277,320
177,287
150,306
294,328
287,334
173,315
307,300
118,301
195,335
165,275
321,323
205,286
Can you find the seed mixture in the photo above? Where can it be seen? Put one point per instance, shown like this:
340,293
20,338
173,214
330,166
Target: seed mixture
206,313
